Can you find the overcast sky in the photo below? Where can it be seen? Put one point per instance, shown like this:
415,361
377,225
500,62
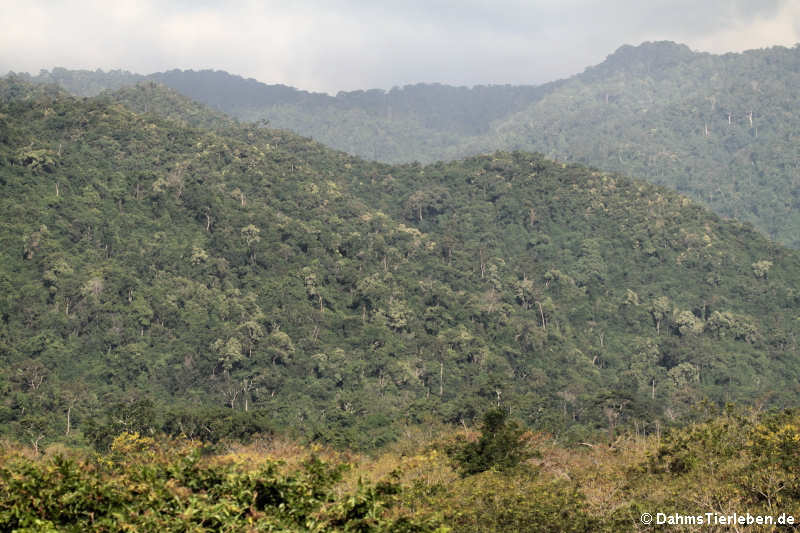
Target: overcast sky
344,45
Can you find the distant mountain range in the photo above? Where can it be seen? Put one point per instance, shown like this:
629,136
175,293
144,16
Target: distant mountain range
723,129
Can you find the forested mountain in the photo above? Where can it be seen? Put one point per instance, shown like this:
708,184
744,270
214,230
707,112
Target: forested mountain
84,82
722,129
423,122
225,279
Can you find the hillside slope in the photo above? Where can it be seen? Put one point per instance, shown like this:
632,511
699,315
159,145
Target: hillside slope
424,122
160,276
722,129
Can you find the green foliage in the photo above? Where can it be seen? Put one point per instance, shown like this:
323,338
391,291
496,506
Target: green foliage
719,128
499,446
511,503
148,485
228,281
744,459
716,128
761,268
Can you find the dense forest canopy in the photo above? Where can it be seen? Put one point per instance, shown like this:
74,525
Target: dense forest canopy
166,269
722,129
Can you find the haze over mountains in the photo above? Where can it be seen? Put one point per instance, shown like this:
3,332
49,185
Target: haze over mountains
519,343
722,129
516,277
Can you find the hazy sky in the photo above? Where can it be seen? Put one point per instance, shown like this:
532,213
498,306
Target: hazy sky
343,45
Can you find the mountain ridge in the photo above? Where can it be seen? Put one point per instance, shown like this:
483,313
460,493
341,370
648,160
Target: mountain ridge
161,276
720,128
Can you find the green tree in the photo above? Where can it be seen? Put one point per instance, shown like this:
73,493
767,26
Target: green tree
500,446
660,309
250,236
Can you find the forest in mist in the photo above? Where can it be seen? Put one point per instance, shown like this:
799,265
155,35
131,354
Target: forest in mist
232,306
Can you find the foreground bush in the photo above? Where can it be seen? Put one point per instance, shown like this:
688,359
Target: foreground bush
144,485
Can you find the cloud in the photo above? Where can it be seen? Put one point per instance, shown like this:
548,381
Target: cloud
755,30
351,44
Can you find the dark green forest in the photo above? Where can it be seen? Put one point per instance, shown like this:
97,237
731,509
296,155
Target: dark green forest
166,270
722,129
